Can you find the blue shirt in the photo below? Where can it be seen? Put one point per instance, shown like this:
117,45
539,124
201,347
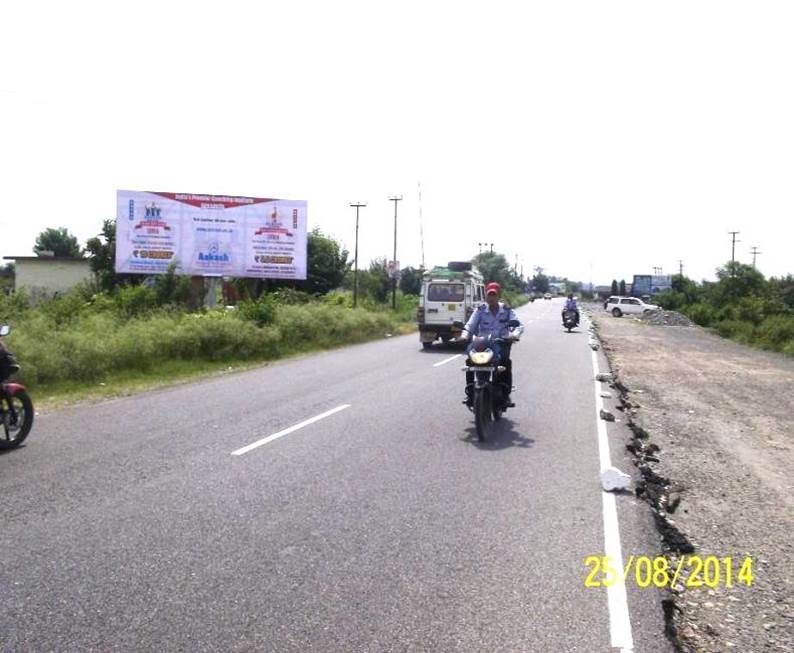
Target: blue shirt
484,322
570,305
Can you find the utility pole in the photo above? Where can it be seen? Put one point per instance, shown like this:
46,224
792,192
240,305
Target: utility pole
754,251
358,205
421,225
733,248
680,268
491,248
395,199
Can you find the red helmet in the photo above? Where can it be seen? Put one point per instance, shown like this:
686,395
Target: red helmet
493,287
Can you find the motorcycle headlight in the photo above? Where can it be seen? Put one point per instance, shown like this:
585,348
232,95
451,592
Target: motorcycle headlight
481,357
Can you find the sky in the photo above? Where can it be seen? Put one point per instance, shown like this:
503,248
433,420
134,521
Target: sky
595,140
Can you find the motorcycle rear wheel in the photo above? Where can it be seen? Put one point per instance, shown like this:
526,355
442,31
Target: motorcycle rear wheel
482,412
14,432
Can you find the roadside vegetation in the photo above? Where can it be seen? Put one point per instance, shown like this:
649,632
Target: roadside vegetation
125,333
742,305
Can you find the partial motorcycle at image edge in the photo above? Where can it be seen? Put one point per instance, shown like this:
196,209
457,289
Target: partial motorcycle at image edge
489,394
16,407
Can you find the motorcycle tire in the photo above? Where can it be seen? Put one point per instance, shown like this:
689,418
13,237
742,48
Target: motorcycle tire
482,412
24,407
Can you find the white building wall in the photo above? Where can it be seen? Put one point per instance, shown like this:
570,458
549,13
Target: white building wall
46,277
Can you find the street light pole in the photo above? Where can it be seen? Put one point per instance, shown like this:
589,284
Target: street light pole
358,205
395,199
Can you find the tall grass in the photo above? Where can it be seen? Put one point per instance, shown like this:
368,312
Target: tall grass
71,339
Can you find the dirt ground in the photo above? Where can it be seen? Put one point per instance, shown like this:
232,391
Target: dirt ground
722,416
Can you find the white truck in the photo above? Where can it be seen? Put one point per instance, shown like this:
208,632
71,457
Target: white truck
448,294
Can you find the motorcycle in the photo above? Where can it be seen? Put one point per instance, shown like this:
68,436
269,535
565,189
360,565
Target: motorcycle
569,319
16,407
489,397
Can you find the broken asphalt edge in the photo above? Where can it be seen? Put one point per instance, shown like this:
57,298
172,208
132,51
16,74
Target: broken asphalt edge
655,490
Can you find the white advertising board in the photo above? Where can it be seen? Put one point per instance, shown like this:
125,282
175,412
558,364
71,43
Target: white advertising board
210,235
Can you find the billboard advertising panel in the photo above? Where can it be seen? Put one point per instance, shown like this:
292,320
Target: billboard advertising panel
210,235
641,285
661,282
650,284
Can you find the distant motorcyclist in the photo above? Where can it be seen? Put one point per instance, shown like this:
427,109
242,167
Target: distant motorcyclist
570,305
492,318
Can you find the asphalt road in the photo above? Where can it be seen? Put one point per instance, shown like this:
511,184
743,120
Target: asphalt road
384,526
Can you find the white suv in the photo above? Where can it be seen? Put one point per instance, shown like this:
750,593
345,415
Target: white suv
628,305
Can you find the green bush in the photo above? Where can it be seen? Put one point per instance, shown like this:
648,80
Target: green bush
776,332
135,301
701,314
736,330
261,311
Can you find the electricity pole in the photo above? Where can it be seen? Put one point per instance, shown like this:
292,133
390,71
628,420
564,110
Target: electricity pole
755,253
395,199
680,268
358,205
733,249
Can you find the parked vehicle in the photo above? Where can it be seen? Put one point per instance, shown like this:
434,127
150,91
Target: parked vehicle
490,393
628,305
16,407
449,294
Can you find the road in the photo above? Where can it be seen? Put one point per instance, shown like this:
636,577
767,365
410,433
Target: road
373,521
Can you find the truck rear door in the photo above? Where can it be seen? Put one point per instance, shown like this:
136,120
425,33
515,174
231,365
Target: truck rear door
444,303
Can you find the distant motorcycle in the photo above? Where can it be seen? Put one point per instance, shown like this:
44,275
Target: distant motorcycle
569,319
490,392
16,407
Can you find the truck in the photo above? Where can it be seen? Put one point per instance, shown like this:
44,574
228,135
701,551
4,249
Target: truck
449,293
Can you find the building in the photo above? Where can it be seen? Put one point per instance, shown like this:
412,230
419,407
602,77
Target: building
47,276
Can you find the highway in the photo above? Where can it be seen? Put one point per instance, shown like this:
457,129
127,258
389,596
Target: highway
338,501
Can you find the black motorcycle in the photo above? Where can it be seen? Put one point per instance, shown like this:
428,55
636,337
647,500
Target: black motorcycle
490,392
569,319
16,407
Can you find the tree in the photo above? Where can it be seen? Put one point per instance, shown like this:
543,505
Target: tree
736,280
494,267
59,241
375,282
326,263
622,288
614,287
783,289
411,281
540,282
102,251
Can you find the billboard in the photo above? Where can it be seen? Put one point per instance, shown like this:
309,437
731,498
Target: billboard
210,235
641,285
650,284
660,283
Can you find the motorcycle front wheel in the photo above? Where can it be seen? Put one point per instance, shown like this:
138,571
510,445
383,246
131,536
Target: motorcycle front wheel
482,411
16,414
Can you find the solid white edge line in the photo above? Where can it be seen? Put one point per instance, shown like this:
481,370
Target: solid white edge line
287,431
447,360
617,601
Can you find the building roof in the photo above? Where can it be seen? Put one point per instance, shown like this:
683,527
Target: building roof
44,258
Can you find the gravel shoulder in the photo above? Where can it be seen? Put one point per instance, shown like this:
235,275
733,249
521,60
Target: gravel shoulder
722,415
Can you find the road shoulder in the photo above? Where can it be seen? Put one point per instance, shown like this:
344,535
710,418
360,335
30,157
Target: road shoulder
722,417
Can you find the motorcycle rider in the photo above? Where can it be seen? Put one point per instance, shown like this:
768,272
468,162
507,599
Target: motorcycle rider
570,305
491,318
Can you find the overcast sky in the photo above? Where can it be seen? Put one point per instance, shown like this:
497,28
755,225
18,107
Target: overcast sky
590,138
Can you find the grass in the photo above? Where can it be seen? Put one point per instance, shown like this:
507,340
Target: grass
72,350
